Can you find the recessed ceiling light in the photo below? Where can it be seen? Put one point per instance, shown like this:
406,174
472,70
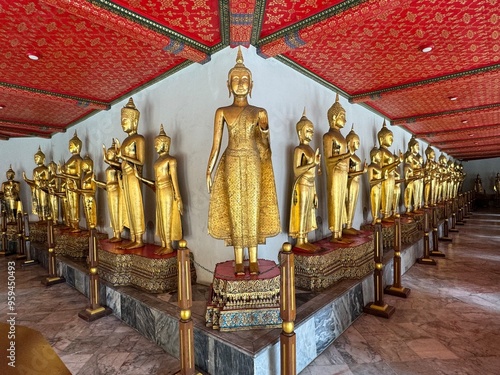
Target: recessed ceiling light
471,135
427,48
465,121
2,106
33,56
453,97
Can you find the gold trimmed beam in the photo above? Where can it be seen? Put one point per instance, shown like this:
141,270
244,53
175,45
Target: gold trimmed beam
459,131
32,127
413,119
10,88
377,94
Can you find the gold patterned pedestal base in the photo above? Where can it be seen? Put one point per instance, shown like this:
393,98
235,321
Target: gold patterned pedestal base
141,267
398,292
411,230
73,245
245,302
38,231
333,262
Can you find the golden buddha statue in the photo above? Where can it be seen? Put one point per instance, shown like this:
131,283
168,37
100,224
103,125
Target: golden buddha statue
478,185
169,206
389,163
114,192
356,169
496,187
411,170
443,178
304,198
243,204
131,155
38,185
337,167
375,177
53,188
87,192
10,191
430,168
418,171
72,174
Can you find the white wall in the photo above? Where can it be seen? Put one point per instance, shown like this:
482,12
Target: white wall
185,103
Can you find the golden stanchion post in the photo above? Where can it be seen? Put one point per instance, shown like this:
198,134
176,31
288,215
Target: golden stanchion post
426,259
378,307
21,246
185,301
27,243
467,204
396,289
4,233
453,215
446,230
52,278
435,237
460,215
95,310
288,311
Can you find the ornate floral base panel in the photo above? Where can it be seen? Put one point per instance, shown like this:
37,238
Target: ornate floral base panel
73,245
411,230
334,261
244,302
141,267
38,232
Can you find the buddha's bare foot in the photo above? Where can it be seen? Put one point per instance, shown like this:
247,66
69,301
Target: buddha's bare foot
135,245
115,239
254,268
351,231
340,240
306,246
164,250
239,269
76,230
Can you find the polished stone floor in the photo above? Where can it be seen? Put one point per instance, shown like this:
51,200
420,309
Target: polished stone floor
450,324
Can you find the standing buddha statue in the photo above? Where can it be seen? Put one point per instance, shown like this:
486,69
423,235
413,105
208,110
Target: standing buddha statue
356,169
304,198
131,154
11,195
38,185
337,168
243,207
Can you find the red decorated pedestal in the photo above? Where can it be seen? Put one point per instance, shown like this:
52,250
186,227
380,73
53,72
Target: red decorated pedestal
334,261
244,302
140,267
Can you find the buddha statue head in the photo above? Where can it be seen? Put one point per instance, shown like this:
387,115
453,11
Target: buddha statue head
39,157
442,160
75,144
385,136
239,78
87,164
413,146
352,140
111,151
375,155
305,128
130,117
162,141
336,114
10,173
430,154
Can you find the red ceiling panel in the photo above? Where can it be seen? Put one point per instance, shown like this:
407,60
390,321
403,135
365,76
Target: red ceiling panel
195,19
384,51
280,14
77,57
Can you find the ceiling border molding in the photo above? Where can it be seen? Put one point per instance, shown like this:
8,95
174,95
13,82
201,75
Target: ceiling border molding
33,127
377,94
413,119
54,96
459,131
